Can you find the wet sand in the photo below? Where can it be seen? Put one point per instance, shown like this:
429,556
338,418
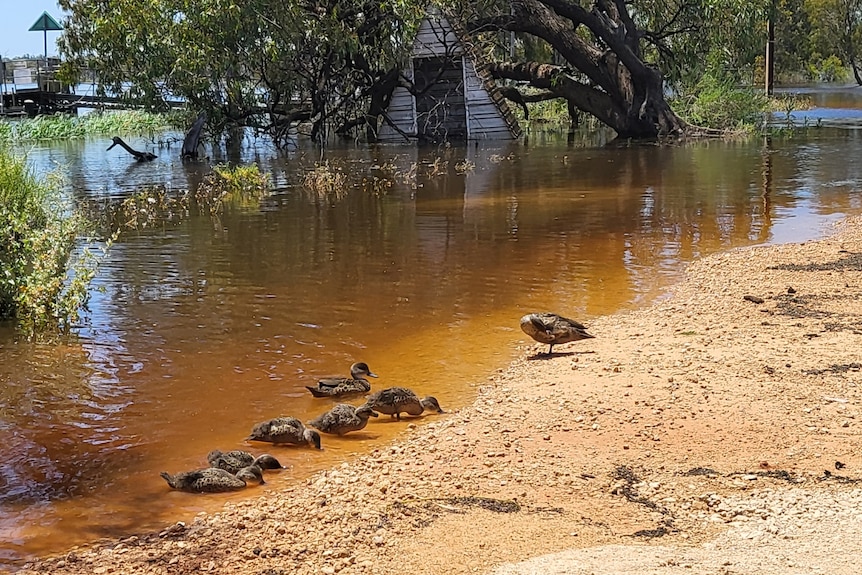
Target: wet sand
710,432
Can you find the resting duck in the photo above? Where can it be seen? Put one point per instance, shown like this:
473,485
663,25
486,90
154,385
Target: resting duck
284,430
337,386
343,418
233,461
213,480
393,400
552,329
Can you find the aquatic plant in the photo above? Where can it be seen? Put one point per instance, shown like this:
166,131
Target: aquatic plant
159,205
326,180
439,167
376,186
238,186
465,166
43,282
63,127
147,207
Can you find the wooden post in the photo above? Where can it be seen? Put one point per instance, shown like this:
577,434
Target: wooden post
770,50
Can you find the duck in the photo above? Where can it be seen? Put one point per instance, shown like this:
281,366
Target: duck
213,479
233,461
284,430
393,400
552,329
139,156
338,386
343,418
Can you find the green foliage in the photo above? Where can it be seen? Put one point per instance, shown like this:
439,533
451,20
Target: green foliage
686,38
829,69
836,31
718,103
240,61
62,127
793,37
42,285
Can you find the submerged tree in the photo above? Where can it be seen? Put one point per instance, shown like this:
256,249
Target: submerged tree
260,63
611,58
335,63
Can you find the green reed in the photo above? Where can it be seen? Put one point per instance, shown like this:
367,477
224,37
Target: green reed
64,127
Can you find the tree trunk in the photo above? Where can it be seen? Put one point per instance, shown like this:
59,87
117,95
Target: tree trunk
610,80
856,74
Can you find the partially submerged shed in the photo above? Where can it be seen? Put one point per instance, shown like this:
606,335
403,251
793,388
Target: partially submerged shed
455,98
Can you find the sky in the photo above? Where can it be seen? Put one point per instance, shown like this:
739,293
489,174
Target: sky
16,17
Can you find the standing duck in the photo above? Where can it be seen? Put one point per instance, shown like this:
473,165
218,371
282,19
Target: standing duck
213,480
343,418
139,156
394,400
233,461
338,386
284,430
552,329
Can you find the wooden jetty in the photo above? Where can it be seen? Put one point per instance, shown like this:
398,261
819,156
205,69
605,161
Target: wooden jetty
30,87
34,101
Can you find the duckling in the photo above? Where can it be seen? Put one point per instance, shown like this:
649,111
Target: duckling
343,418
213,480
552,329
234,461
336,386
394,400
284,430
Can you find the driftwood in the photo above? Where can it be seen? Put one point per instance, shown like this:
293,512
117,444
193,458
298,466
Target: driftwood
139,156
192,139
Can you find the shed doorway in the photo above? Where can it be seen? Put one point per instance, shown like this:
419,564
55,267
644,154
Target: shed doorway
441,111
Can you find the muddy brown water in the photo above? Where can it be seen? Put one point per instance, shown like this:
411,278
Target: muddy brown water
421,268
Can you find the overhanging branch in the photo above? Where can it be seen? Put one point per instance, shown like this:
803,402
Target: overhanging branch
555,80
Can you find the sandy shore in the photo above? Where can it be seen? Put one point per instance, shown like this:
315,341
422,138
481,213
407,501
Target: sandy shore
705,434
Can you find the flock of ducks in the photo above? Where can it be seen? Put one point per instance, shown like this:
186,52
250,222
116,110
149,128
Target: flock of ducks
236,469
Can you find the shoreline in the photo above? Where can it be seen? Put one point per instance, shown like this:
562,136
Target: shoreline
698,428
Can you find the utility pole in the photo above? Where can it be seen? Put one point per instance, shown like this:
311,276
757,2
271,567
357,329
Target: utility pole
770,50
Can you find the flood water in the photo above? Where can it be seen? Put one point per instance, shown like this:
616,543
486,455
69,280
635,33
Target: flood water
421,269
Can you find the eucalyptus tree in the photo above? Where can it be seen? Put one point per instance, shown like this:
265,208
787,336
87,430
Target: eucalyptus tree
260,63
335,63
837,29
794,32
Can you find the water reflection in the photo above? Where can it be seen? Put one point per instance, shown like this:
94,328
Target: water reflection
421,270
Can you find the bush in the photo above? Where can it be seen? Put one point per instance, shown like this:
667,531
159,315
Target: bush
829,69
42,285
238,186
719,103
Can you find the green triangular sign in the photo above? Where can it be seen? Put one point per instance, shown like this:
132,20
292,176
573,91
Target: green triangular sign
44,23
